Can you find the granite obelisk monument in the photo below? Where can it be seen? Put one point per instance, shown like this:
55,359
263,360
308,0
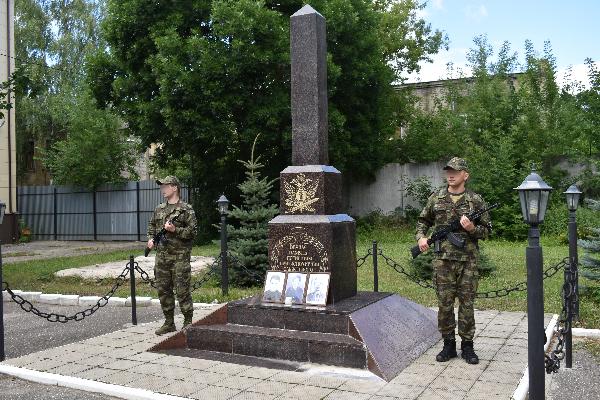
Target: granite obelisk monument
382,332
312,234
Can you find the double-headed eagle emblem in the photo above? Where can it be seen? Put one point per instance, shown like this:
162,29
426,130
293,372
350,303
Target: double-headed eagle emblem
300,194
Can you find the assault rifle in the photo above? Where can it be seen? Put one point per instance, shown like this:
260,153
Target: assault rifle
159,237
447,232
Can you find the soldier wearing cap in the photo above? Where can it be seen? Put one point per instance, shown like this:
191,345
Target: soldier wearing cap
455,272
172,269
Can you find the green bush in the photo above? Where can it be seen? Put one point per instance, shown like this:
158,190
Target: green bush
376,220
557,219
591,259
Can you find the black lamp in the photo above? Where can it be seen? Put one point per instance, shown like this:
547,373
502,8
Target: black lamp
223,204
533,193
573,193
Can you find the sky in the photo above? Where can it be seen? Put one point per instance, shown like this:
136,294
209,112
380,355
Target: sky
572,27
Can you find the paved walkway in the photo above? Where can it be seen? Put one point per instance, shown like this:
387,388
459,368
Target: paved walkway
120,358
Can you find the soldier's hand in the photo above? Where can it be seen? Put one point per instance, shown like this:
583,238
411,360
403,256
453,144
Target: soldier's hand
467,224
423,246
150,244
169,226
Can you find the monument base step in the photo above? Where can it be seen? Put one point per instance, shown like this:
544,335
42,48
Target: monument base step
302,346
382,332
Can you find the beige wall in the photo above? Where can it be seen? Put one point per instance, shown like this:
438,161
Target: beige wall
8,175
8,155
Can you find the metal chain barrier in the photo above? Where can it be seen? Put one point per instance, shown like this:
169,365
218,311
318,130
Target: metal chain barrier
521,286
563,326
78,316
214,267
145,276
360,261
259,278
399,268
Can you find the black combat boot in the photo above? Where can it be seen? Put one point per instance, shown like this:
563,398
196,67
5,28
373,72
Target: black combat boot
468,353
169,325
449,350
187,318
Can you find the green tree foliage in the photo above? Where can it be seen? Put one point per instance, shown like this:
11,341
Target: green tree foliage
248,241
95,150
53,39
203,77
502,121
591,260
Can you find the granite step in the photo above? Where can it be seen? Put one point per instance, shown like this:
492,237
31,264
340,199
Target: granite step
285,344
292,319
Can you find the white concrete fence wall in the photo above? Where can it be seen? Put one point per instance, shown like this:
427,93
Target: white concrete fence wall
388,191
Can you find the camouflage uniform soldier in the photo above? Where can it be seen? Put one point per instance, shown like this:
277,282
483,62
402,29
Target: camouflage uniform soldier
172,269
455,272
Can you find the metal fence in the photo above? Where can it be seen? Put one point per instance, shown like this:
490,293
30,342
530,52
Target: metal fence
112,212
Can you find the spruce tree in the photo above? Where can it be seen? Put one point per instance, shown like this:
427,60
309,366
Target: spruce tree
248,241
591,260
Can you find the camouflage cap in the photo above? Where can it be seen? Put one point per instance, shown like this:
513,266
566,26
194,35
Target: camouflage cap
169,180
458,164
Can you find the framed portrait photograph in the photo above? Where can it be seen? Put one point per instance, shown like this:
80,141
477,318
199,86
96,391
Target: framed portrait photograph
318,288
274,284
295,287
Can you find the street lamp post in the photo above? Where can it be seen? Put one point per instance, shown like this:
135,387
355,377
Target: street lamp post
571,275
533,195
223,205
2,355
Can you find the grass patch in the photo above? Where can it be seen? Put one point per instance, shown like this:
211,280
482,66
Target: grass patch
38,275
590,345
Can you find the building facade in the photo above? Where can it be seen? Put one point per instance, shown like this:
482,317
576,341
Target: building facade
8,156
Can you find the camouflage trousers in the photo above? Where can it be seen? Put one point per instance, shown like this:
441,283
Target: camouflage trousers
456,279
172,271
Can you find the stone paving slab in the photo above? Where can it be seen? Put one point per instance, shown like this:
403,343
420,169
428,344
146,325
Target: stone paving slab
106,359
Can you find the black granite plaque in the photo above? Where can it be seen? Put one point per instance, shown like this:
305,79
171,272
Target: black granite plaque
316,243
396,331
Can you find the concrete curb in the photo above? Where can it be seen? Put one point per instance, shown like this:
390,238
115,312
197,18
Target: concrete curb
88,301
522,391
588,333
122,392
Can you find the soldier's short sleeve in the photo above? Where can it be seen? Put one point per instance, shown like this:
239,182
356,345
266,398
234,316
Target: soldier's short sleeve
426,219
483,226
189,225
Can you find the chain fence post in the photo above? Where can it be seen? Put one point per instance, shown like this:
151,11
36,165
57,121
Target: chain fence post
375,268
132,285
2,356
224,266
570,283
535,314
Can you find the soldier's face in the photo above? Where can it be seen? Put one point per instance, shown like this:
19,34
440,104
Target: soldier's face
274,282
456,178
296,282
168,190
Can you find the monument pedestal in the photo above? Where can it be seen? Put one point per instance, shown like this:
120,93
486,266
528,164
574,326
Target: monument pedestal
316,243
381,332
